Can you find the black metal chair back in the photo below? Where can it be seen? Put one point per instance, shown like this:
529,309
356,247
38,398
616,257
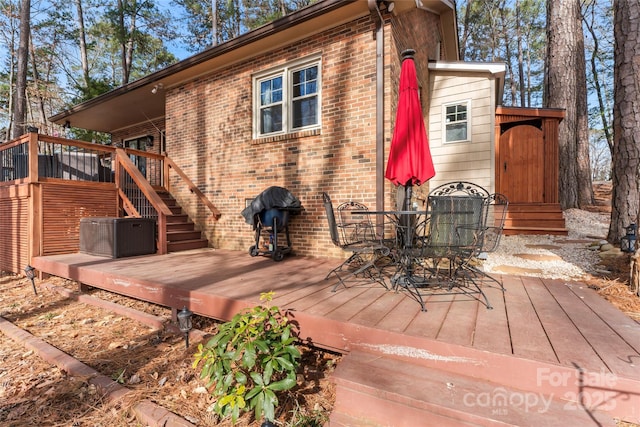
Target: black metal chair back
458,214
354,225
498,205
331,219
354,233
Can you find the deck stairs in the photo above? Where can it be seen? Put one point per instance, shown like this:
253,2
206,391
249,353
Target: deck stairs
181,231
379,390
535,218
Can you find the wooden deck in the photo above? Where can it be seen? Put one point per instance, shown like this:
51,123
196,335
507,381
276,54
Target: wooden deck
548,336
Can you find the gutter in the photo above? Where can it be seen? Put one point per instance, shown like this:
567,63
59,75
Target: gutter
379,35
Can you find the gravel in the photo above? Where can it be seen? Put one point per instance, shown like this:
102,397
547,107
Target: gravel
570,257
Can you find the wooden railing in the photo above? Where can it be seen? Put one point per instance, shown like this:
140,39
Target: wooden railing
57,158
135,174
170,164
138,197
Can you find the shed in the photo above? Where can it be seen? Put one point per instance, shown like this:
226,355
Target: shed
526,168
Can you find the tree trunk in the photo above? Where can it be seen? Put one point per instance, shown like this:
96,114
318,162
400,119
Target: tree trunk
125,39
37,92
20,98
625,203
566,88
214,23
585,184
506,34
82,39
599,90
520,57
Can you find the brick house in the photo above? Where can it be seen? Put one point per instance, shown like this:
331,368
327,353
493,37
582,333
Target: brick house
218,116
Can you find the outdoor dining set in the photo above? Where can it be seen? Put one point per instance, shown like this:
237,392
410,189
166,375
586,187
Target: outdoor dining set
424,251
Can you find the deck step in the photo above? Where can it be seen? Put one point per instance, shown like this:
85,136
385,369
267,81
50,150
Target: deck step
186,245
535,218
559,231
181,235
181,226
377,390
177,218
176,210
181,231
168,199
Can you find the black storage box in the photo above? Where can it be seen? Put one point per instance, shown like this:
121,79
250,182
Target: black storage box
117,237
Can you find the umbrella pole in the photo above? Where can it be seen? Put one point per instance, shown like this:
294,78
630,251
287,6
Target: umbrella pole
408,194
406,220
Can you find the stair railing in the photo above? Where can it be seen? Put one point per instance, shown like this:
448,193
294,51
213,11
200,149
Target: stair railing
138,197
170,164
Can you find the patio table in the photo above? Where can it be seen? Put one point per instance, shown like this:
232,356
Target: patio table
417,255
406,247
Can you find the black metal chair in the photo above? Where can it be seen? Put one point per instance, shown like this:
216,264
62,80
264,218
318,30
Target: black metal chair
497,206
355,234
458,213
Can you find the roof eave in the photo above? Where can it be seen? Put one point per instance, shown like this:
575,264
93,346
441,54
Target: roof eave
141,89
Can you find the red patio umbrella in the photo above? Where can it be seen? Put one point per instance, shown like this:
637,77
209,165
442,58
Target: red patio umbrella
409,160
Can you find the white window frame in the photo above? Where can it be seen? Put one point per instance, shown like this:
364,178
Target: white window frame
286,72
467,103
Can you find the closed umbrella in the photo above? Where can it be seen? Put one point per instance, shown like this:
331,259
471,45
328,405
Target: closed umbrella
409,160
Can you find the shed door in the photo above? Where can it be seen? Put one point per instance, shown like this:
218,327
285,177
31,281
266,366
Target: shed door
522,164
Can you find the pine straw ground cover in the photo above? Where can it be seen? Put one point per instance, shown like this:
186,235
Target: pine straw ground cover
614,286
153,364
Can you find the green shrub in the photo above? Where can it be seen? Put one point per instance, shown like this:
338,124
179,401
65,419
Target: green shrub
249,360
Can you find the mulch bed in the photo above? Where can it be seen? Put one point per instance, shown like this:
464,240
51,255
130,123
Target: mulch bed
153,363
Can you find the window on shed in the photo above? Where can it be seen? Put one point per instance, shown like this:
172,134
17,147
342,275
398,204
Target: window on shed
287,99
456,118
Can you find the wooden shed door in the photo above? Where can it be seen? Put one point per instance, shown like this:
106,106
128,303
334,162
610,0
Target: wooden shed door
521,160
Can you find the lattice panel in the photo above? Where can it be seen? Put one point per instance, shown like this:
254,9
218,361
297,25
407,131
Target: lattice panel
14,239
63,206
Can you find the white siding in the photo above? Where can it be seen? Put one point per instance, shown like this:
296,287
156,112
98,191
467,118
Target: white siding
468,161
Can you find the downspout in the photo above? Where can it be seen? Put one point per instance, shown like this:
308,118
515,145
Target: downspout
379,35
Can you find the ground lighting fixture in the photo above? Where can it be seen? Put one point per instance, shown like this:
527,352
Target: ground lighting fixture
185,323
628,242
30,272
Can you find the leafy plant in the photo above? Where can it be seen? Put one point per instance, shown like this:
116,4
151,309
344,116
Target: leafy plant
118,376
249,360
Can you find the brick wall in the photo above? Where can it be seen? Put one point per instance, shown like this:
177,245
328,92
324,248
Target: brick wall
209,135
152,127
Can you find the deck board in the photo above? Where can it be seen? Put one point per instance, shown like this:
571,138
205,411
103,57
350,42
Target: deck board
459,325
429,326
618,355
399,319
569,344
346,312
492,328
528,337
624,326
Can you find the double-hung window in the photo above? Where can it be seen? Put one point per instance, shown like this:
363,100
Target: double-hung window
287,99
457,121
